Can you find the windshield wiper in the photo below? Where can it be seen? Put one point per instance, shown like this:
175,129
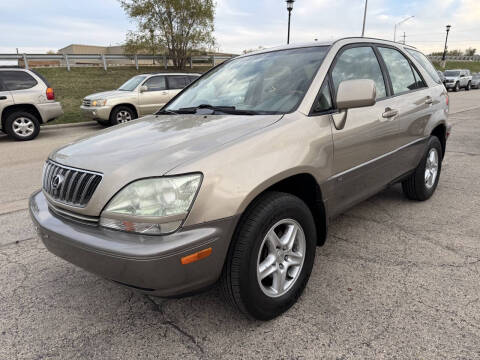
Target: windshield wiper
224,109
166,112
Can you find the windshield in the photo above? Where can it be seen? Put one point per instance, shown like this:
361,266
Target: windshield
267,83
131,84
452,73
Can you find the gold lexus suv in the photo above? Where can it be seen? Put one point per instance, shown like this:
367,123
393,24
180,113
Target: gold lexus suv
236,178
139,96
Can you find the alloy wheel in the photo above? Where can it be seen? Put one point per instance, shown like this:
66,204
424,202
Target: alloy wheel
23,126
123,116
431,168
281,257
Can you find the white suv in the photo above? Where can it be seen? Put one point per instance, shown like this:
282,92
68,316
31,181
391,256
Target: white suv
26,101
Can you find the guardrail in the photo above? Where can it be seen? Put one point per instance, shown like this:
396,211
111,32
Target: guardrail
69,60
456,58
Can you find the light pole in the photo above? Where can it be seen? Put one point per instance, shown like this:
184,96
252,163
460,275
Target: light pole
289,8
446,38
397,24
364,17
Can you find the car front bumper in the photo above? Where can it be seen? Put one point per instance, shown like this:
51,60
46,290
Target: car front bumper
449,85
94,112
50,111
151,264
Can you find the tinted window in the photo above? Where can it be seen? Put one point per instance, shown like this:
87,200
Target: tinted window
17,80
192,78
418,78
359,63
452,73
399,69
324,100
156,83
177,82
426,64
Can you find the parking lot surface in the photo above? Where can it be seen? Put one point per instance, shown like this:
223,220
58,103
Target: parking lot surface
396,279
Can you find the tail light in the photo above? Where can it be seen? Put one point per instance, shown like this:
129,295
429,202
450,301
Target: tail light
50,94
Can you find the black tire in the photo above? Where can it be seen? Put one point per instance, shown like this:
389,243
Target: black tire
239,277
118,110
469,86
104,122
457,87
415,187
11,125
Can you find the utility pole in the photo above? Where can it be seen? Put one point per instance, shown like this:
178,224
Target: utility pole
364,17
289,9
397,25
445,48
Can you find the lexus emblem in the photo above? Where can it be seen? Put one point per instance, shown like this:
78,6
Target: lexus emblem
57,182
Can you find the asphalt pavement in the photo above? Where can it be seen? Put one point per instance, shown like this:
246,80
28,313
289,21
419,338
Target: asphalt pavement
396,279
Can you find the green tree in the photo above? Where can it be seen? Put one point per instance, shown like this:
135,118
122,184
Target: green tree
470,51
179,26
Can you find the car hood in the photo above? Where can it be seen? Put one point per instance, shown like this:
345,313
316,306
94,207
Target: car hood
108,94
153,145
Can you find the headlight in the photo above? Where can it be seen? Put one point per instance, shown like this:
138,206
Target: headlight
99,102
152,206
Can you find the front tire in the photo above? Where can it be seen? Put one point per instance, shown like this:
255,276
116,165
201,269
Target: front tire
422,183
22,126
271,256
457,87
469,86
122,114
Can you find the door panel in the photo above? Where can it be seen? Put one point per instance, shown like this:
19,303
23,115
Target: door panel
155,97
362,146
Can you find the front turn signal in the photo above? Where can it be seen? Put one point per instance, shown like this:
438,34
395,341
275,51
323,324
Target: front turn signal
202,254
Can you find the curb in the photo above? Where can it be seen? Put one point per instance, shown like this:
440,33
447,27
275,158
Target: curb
61,126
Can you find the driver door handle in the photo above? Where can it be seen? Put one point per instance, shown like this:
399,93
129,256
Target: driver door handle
429,100
389,113
3,98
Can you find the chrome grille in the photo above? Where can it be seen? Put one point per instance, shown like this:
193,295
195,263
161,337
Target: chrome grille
87,102
70,186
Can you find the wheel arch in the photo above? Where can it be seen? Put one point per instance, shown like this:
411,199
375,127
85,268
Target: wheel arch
20,107
440,131
129,105
304,186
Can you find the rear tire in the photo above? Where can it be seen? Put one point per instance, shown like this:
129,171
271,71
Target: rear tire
263,276
122,114
22,126
422,183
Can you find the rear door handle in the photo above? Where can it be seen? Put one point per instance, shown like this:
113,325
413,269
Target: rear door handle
3,98
429,101
389,113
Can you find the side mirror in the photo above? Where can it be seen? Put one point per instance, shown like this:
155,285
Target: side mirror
356,93
143,88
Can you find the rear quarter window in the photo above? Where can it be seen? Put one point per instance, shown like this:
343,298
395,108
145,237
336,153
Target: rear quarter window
17,80
426,64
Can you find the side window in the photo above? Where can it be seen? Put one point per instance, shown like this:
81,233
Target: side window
426,64
17,80
324,100
156,83
177,82
418,78
192,79
399,69
359,63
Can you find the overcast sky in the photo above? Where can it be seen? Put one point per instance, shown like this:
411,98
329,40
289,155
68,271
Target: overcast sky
42,25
